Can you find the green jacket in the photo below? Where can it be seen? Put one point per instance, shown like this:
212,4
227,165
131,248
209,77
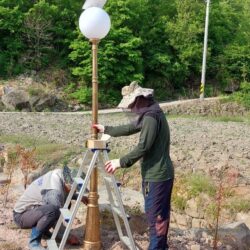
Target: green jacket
152,148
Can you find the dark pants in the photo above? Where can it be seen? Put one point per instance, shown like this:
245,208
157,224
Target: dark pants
42,217
157,197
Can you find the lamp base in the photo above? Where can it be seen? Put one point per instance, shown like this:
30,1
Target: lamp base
92,245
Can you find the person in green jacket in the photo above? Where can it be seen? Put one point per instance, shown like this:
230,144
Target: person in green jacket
153,150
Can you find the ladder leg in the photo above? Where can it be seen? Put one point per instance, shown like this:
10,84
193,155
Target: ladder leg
80,170
76,205
119,203
78,202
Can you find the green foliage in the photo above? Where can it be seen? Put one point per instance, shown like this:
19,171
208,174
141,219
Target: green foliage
179,203
83,95
10,44
243,95
35,91
238,205
159,43
198,183
195,185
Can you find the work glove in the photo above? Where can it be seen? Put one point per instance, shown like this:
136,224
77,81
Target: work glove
111,166
99,127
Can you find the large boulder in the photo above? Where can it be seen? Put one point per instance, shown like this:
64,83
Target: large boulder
16,100
235,234
46,101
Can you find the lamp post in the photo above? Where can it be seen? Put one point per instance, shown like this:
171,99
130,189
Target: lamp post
203,74
94,24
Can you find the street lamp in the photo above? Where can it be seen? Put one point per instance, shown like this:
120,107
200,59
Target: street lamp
203,74
94,24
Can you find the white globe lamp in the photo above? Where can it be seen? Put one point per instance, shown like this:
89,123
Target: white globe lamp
94,23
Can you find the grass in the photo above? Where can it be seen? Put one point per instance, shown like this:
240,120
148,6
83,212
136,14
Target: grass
191,185
238,205
45,151
231,118
224,118
199,183
179,203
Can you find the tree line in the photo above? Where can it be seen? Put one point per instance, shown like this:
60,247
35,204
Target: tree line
159,43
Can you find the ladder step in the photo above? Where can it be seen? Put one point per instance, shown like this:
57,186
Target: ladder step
66,214
52,245
117,211
126,241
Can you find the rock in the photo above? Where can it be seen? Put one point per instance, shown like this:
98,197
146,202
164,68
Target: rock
242,217
181,220
198,223
16,99
193,210
34,100
195,247
5,90
46,101
235,234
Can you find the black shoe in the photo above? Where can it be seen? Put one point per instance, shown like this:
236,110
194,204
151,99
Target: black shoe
47,235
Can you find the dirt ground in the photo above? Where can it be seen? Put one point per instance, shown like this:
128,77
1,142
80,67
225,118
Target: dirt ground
199,144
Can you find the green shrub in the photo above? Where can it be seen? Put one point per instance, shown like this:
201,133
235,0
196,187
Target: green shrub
238,205
70,88
35,91
198,183
179,202
82,95
108,98
243,95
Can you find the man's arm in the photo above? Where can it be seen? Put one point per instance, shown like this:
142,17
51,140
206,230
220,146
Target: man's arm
147,138
121,130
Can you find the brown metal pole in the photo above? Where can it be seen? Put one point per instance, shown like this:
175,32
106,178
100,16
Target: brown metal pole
92,240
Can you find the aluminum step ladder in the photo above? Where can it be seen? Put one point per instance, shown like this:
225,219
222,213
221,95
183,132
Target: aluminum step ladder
99,157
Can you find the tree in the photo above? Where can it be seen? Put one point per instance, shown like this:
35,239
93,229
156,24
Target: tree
10,42
119,53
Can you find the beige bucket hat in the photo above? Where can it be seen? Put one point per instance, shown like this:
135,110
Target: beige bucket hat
132,91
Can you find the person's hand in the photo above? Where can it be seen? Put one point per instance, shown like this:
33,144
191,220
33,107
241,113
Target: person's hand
98,127
111,166
85,200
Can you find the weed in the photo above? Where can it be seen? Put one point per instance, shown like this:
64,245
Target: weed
198,183
179,195
238,205
135,209
35,91
180,203
27,161
227,179
10,165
